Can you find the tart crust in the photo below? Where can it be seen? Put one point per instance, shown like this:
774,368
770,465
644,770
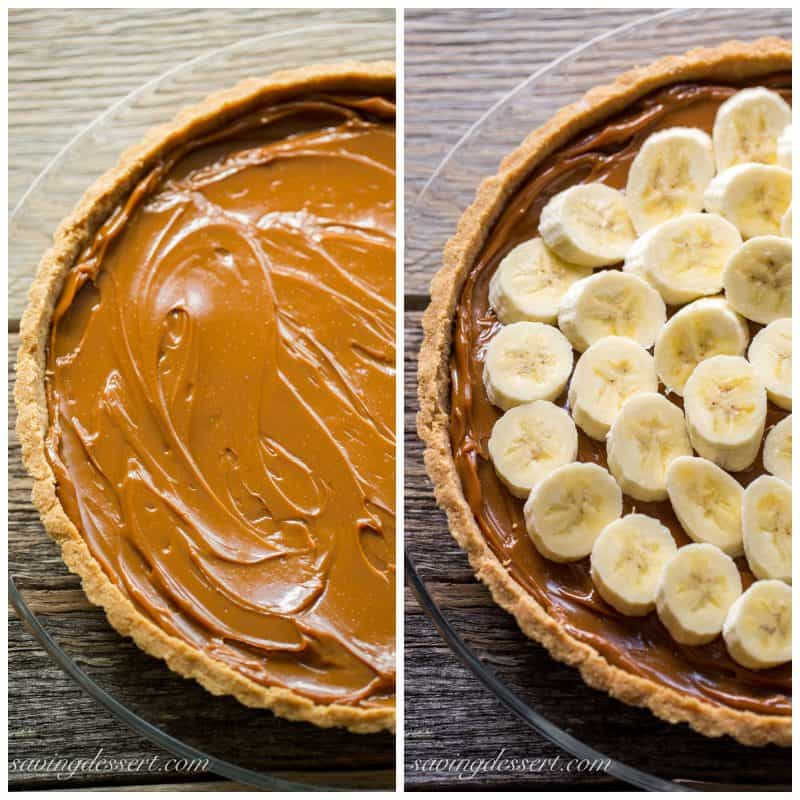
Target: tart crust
68,242
732,60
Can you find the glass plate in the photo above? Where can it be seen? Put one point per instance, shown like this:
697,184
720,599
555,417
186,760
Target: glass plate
172,712
641,749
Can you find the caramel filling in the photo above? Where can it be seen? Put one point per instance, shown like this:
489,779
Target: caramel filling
221,389
638,645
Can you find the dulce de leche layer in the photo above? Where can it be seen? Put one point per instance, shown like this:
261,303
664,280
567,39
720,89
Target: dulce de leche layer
638,645
222,396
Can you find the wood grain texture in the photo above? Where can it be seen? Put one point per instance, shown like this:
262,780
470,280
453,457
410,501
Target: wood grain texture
483,54
449,715
66,67
460,63
50,716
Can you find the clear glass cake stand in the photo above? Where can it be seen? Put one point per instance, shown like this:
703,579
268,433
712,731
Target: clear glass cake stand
239,743
640,749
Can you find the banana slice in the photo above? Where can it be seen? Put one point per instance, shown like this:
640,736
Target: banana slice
747,127
758,628
588,225
770,354
611,371
526,361
646,437
708,327
684,258
530,282
627,561
668,176
611,303
784,148
753,197
726,409
528,442
758,279
777,453
786,223
767,528
707,502
567,510
698,586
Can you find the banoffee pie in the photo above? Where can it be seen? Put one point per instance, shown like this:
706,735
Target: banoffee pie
605,388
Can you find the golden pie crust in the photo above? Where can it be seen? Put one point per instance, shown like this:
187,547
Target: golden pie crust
68,242
732,60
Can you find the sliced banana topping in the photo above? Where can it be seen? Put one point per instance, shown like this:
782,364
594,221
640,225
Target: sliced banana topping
747,127
627,561
698,586
609,373
530,282
770,354
784,148
758,279
668,176
786,223
528,442
646,437
754,197
758,628
526,361
707,502
708,327
777,453
588,224
611,303
567,510
726,409
684,258
767,528
713,214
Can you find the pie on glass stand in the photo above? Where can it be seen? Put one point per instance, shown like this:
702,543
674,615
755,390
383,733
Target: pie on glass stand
205,388
605,388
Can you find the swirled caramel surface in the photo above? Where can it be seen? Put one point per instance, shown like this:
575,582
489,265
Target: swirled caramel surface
221,389
641,646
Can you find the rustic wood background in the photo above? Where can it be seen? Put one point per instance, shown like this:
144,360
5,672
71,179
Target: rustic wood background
66,67
457,64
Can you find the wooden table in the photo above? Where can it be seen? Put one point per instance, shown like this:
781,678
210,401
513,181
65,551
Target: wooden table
60,78
457,64
66,67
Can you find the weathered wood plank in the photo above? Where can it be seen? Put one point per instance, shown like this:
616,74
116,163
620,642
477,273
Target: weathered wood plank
449,713
484,54
66,67
33,559
49,715
47,601
364,780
